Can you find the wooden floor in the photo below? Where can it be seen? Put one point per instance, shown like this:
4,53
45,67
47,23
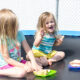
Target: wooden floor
71,46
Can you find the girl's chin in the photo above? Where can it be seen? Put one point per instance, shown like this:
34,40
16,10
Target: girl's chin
51,31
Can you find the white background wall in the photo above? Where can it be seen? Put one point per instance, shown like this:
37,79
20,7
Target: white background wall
69,15
28,12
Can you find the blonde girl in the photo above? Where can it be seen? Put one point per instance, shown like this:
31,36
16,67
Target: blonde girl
46,37
11,39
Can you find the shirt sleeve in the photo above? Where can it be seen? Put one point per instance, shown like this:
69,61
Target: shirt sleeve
20,36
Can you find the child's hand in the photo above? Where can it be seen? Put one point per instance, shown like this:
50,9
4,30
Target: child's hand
28,67
41,33
39,37
59,40
36,67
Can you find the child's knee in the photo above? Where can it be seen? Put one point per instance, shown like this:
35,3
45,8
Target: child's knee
62,54
42,61
22,74
59,56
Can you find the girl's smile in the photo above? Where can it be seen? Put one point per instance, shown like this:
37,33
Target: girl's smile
50,25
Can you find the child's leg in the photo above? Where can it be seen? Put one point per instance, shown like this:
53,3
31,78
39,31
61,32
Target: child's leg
17,72
37,54
13,72
38,60
57,57
42,61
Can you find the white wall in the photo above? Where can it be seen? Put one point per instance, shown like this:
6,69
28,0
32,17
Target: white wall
28,11
69,15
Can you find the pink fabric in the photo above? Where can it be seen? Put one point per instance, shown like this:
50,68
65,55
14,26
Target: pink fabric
23,61
10,66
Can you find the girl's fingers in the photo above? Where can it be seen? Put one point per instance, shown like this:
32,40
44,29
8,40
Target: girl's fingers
42,31
62,37
28,67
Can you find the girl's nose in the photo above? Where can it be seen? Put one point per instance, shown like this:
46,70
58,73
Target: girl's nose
50,24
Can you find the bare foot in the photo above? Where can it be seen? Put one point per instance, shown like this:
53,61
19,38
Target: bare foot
50,61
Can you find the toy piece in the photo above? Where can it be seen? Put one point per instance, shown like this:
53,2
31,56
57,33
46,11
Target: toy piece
44,73
74,65
45,78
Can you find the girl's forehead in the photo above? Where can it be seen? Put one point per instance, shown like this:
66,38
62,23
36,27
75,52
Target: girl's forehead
49,18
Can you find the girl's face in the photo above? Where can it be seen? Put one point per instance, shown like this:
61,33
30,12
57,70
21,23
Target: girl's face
50,25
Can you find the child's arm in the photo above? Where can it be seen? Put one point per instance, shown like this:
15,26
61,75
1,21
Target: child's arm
4,52
59,41
30,54
39,37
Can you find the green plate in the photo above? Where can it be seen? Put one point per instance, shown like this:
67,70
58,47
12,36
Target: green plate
45,73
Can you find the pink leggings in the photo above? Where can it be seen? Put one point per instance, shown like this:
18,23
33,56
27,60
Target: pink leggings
10,66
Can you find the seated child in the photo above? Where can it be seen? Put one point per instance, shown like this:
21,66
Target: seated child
11,40
46,37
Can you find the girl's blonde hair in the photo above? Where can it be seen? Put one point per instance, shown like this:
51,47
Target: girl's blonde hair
8,24
41,21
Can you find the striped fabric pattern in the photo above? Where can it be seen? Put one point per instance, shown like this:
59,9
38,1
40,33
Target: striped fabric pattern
46,44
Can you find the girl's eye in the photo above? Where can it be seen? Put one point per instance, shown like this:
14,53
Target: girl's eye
52,21
46,22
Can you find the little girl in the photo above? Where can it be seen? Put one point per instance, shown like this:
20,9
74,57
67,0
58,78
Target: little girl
11,39
46,37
